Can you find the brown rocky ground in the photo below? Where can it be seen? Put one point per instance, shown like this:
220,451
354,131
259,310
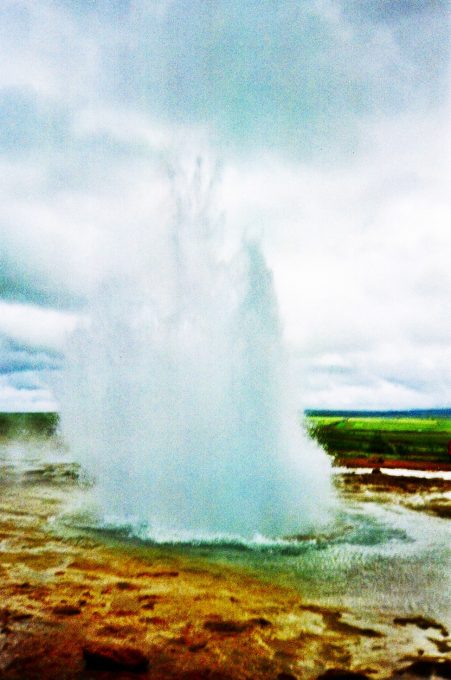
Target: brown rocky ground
73,607
391,463
424,494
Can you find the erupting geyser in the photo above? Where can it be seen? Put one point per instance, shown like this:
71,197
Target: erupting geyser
175,398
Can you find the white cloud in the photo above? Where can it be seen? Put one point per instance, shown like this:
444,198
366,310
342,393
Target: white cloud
361,258
34,326
45,50
126,126
13,399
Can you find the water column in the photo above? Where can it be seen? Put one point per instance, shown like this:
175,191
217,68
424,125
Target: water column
175,401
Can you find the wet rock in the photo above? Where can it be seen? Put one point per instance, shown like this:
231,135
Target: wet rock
421,622
334,622
4,614
19,616
260,621
443,646
341,674
125,585
66,610
228,627
148,597
426,668
231,627
441,508
148,601
118,632
100,657
155,620
148,605
201,674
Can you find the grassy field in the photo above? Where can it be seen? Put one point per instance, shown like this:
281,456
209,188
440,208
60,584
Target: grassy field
17,425
407,438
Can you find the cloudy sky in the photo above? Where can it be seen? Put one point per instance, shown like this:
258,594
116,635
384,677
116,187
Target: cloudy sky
330,121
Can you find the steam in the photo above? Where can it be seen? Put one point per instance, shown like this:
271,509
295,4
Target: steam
175,397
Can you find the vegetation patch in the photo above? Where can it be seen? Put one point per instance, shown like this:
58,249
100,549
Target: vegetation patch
383,438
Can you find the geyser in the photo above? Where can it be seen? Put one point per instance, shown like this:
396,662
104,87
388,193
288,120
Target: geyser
175,394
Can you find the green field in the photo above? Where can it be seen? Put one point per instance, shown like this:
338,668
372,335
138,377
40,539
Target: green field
405,438
18,425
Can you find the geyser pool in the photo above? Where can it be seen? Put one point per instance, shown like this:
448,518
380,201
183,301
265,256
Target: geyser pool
174,395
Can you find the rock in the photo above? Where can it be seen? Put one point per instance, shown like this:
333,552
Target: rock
201,674
125,585
341,674
19,616
443,646
99,657
66,610
229,627
149,597
260,621
148,605
425,668
421,622
155,620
